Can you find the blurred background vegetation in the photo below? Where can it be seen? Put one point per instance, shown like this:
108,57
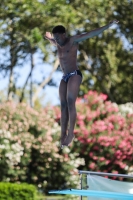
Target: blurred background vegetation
29,132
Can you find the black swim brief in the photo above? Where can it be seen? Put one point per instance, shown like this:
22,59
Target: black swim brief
67,76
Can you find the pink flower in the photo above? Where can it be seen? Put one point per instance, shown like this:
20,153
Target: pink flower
95,148
91,154
107,162
102,159
103,96
92,166
95,158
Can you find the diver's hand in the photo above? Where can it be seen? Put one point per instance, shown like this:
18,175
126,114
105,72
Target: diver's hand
113,22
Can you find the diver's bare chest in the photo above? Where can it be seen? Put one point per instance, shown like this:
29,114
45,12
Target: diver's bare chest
67,50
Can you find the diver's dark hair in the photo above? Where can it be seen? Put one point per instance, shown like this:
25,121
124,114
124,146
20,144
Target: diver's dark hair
59,29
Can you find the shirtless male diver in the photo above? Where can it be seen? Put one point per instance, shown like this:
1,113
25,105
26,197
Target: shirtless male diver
72,77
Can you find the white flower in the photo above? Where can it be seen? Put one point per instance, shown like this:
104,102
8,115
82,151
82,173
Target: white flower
126,108
5,134
2,146
12,152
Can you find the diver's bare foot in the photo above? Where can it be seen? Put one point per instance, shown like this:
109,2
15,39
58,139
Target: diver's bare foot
63,138
69,139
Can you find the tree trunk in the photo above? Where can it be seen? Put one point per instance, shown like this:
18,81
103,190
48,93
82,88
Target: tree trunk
13,62
10,86
31,83
45,81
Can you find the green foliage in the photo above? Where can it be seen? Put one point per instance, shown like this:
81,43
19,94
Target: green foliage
12,191
106,61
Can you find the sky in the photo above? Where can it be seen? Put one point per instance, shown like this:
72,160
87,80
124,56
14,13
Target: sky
40,71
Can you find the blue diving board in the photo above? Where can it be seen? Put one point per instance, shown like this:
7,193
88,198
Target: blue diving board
94,193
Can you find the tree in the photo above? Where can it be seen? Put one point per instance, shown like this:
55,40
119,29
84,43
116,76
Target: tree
105,61
23,26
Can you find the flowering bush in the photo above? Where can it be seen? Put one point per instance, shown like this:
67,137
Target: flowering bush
10,152
29,149
29,142
104,135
